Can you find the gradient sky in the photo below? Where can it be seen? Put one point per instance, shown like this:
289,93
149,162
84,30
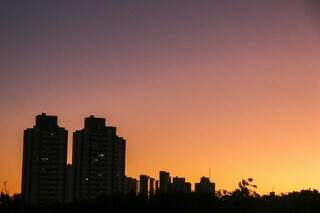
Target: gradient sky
229,85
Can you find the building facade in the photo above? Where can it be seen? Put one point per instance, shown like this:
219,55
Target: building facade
179,185
44,161
130,186
144,185
165,181
151,186
205,186
98,160
69,184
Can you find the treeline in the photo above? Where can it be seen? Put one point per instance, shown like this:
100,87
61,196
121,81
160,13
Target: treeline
242,200
304,201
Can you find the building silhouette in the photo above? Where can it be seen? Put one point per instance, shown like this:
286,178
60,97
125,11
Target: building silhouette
118,165
165,181
205,186
98,165
151,186
157,186
130,186
144,185
69,183
44,161
179,185
98,160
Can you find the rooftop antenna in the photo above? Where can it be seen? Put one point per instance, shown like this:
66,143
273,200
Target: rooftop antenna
209,173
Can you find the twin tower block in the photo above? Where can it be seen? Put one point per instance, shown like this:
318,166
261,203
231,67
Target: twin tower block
98,161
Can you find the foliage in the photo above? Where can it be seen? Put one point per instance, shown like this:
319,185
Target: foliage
243,200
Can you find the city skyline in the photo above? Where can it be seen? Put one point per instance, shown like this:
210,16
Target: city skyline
96,125
97,169
231,86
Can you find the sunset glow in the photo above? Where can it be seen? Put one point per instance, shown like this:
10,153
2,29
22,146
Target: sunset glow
192,86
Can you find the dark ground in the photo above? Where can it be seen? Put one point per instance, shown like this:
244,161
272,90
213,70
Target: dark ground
238,201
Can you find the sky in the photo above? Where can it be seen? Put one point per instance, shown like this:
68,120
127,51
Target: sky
230,86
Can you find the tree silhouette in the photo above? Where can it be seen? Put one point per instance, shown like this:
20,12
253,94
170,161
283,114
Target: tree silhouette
246,188
243,200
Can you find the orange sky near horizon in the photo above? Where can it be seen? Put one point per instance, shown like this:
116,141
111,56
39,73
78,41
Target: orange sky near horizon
234,89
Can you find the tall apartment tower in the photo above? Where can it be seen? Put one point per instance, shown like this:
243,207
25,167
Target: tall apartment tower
118,165
44,161
144,185
130,186
179,185
98,160
165,181
151,186
205,186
